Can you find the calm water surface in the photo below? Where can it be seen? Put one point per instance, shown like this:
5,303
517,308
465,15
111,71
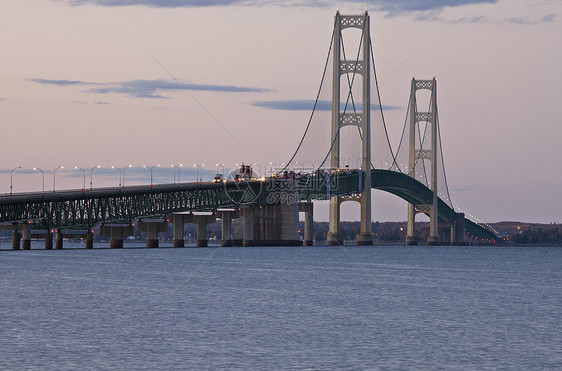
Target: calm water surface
383,307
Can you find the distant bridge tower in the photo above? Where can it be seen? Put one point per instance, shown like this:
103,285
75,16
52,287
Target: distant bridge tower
421,154
362,120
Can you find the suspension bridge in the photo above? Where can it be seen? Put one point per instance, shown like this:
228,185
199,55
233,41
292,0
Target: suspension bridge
257,210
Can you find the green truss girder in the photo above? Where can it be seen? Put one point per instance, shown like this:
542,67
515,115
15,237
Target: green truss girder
86,208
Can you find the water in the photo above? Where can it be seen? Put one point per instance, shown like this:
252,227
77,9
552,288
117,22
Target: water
384,307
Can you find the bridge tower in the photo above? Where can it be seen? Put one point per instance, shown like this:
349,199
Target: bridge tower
421,154
362,120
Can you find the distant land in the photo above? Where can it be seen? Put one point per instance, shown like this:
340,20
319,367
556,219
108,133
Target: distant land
517,233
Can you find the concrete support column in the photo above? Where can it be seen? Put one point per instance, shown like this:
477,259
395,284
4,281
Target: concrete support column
308,209
89,239
433,240
334,236
116,233
26,236
152,227
58,239
237,230
309,225
48,240
411,238
459,229
247,226
178,222
226,228
115,243
15,240
201,230
365,237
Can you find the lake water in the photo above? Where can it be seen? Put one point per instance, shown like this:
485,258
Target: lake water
381,307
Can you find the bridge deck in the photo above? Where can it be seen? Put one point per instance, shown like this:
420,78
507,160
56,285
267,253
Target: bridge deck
84,208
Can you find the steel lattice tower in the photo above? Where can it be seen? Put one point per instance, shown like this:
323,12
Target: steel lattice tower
362,120
421,154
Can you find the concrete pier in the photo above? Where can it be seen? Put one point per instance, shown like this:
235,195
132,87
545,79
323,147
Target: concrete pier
334,237
58,239
411,240
459,229
15,239
26,236
308,209
178,221
270,225
200,218
237,230
152,227
433,240
48,240
226,216
89,239
226,229
247,226
202,221
116,232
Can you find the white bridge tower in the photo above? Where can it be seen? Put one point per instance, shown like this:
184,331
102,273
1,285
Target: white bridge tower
361,119
419,155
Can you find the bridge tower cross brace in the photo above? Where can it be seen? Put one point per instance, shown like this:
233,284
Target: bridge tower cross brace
362,120
421,154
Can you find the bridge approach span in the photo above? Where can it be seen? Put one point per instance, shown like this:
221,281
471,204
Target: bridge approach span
85,208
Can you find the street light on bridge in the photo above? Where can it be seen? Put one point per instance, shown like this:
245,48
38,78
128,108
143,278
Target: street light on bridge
12,177
55,176
199,168
91,174
222,169
121,174
83,171
151,168
123,168
37,169
178,167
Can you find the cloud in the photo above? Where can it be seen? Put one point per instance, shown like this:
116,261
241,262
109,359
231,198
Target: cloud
94,102
308,105
531,21
147,88
152,88
391,7
60,82
160,3
466,188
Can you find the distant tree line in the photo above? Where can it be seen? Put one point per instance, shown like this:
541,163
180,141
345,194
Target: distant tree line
531,234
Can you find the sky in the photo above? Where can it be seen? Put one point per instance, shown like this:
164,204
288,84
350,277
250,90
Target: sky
192,82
